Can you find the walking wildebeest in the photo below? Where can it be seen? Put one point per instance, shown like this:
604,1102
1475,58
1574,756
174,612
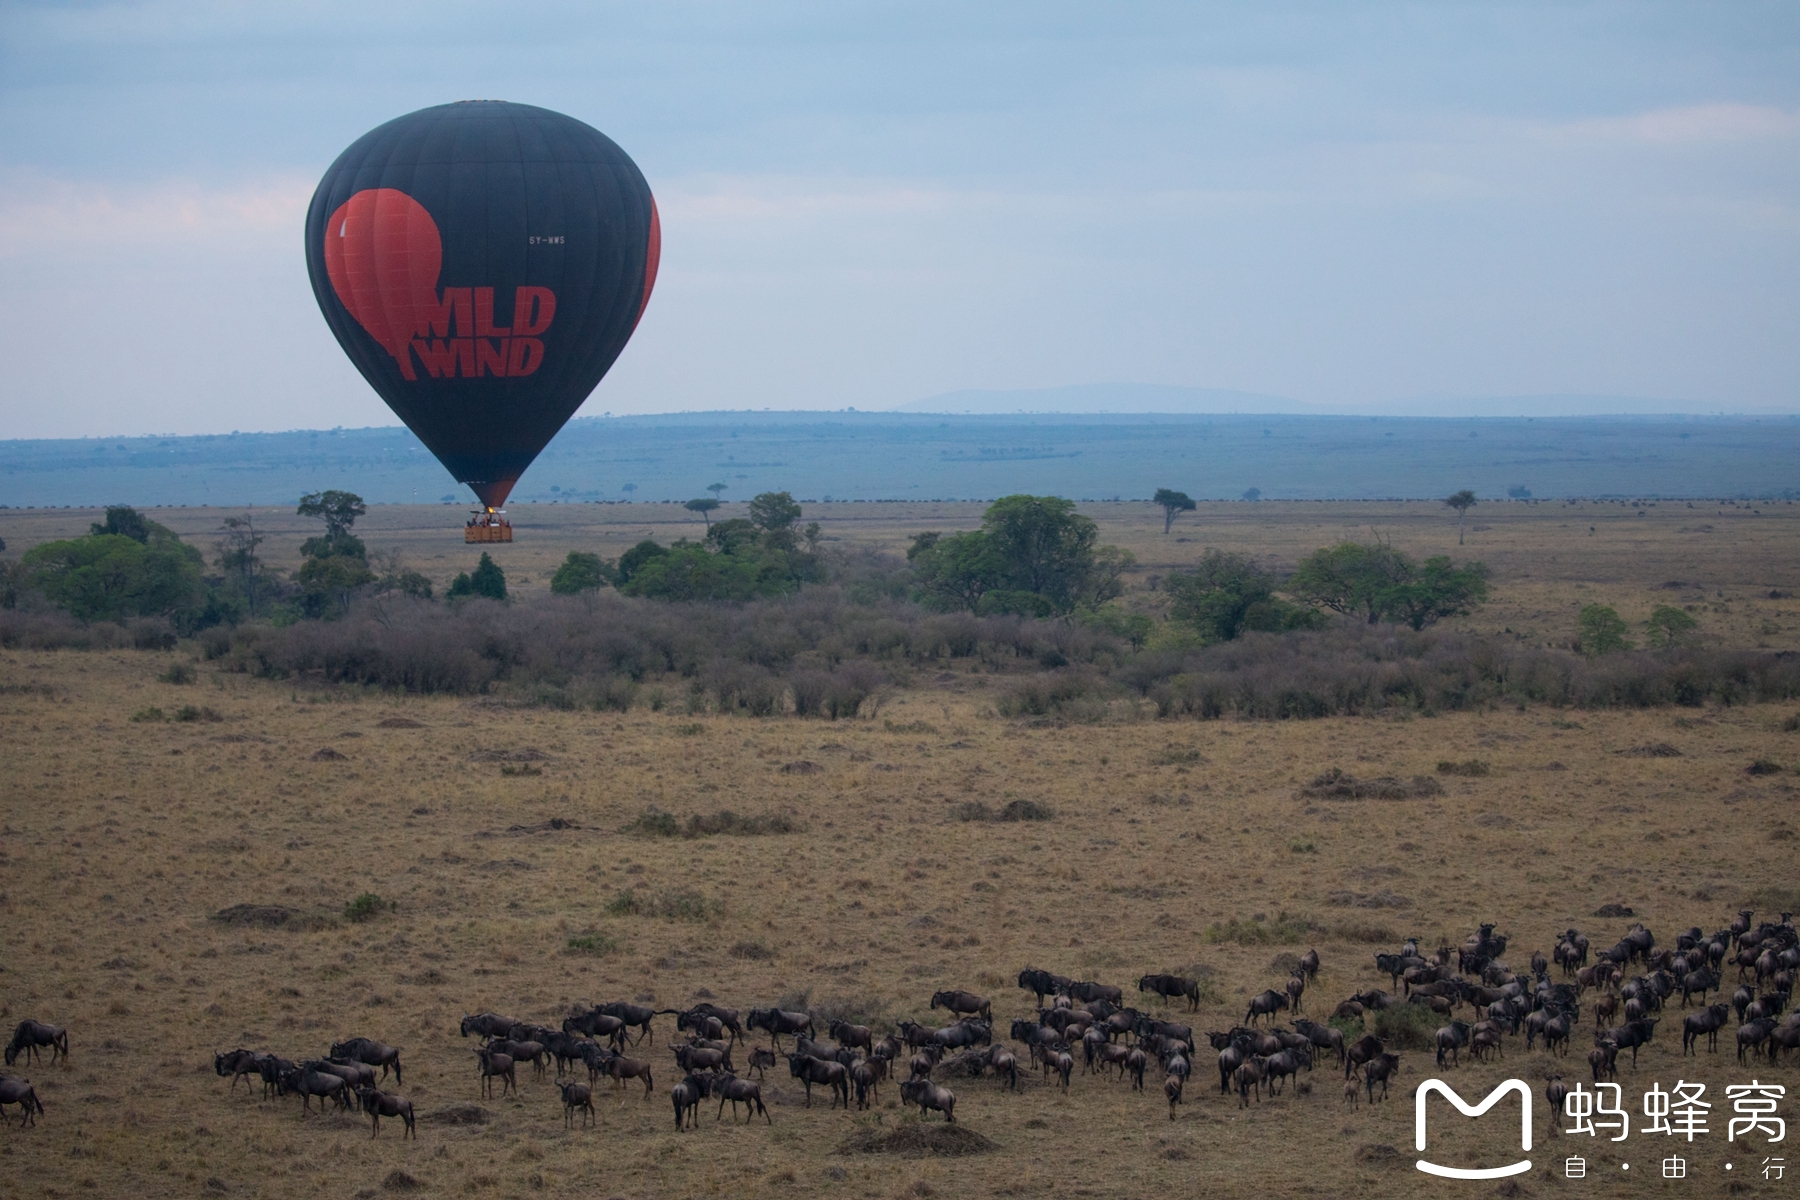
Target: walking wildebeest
1171,986
686,1097
239,1064
28,1035
491,1025
1267,1004
740,1091
811,1070
778,1022
1381,1068
495,1065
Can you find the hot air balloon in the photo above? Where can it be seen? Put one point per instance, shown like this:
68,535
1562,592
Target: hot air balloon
483,264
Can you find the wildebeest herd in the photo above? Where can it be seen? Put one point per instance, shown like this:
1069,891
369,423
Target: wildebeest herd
1086,1024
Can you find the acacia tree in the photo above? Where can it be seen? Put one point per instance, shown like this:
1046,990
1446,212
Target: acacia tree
237,555
1032,554
339,511
1172,502
705,506
1462,502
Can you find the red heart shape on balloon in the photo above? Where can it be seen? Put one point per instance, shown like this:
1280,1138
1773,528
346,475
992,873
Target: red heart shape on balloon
383,253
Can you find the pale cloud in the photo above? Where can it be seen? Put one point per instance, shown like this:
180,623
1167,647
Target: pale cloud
39,213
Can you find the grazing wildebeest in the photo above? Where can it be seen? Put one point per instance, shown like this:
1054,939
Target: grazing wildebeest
489,1025
636,1017
239,1064
964,1003
761,1059
811,1070
14,1090
778,1022
726,1017
495,1065
1381,1068
1083,991
622,1068
576,1096
740,1091
367,1050
28,1035
686,1097
1323,1037
597,1024
1171,986
380,1104
1708,1022
1267,1004
1043,983
927,1094
307,1083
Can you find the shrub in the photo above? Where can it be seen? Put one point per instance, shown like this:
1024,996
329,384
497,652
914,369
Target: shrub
671,904
1471,766
1408,1027
188,712
1602,630
149,714
365,907
178,673
751,951
595,944
1763,766
1285,929
653,822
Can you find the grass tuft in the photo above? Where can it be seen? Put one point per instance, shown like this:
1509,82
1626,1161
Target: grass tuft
366,907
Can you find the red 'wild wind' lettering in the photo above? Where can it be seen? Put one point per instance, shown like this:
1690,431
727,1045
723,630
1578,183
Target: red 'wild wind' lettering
480,347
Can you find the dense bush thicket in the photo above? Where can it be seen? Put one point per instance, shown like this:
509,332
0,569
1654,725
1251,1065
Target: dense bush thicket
829,651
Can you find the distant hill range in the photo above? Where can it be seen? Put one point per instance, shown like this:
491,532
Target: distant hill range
1118,398
963,456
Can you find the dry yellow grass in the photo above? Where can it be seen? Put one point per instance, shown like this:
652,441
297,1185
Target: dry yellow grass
120,839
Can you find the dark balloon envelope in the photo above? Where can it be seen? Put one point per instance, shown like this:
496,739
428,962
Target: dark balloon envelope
483,264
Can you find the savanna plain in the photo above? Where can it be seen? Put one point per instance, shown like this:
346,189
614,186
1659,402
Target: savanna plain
515,875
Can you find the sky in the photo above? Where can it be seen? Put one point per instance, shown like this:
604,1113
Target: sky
1368,207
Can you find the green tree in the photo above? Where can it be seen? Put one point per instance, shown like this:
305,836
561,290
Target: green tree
955,571
1032,554
328,583
1351,578
486,580
1602,630
580,572
1437,589
1462,502
1228,594
1379,583
123,521
1670,626
113,576
1172,502
689,571
705,506
634,559
339,511
715,488
237,558
774,511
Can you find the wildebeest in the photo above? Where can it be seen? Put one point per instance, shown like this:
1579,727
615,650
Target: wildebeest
487,1024
531,1052
760,1059
964,1033
1450,1040
14,1090
1309,965
622,1068
927,1094
726,1017
1288,1063
778,1022
686,1097
307,1083
380,1104
597,1024
964,1003
1555,1091
1362,1051
1633,1034
576,1096
1171,986
1708,1022
1005,1065
495,1065
810,1070
1752,1034
701,1058
740,1091
1323,1037
272,1068
1082,991
847,1034
1043,983
1172,1090
1266,1004
239,1064
375,1054
636,1016
28,1035
1380,1068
